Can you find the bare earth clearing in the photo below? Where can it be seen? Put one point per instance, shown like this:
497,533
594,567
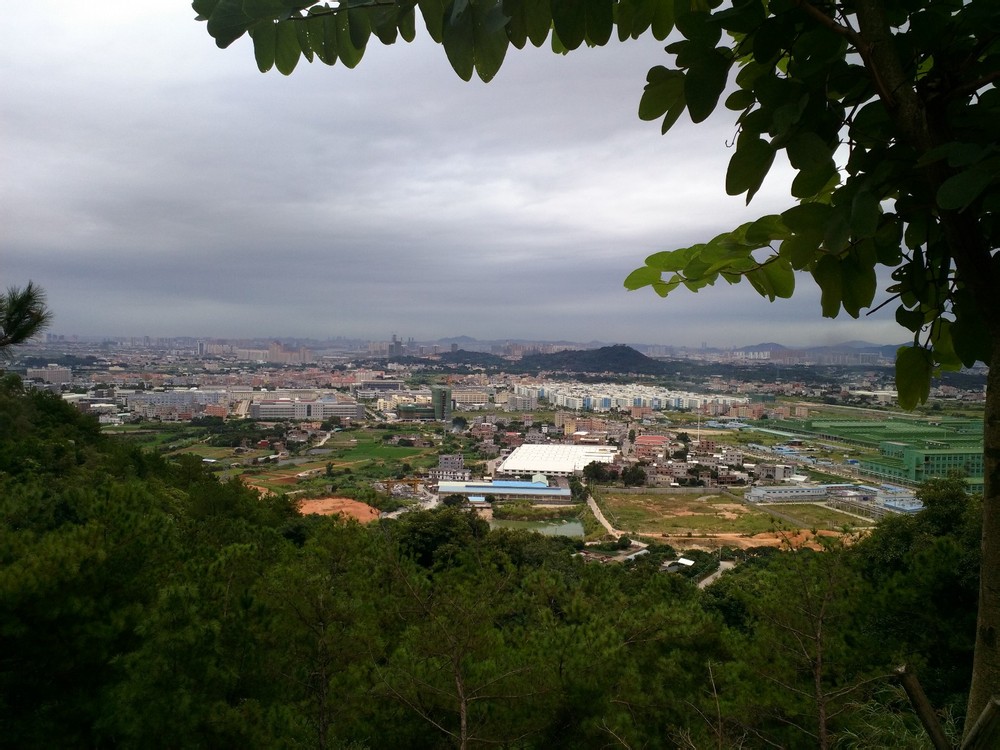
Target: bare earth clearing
328,506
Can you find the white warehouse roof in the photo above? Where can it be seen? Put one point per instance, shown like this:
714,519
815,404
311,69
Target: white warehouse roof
555,459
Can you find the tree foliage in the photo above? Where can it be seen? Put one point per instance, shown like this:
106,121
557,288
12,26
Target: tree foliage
23,315
147,604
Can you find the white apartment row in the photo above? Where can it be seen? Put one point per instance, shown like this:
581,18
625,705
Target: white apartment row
606,397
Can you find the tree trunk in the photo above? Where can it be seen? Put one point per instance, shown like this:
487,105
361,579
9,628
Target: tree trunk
986,666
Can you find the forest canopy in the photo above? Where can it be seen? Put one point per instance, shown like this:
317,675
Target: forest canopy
147,604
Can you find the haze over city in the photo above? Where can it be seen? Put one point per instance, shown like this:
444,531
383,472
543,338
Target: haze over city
160,186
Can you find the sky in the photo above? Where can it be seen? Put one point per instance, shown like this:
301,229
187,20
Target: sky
156,185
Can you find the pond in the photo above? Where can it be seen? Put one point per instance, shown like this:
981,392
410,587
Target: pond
571,528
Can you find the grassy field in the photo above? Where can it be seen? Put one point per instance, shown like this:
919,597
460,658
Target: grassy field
680,514
153,435
364,452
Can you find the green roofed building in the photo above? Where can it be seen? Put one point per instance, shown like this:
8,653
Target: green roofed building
903,462
911,450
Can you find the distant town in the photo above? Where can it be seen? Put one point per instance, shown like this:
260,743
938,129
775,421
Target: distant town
774,424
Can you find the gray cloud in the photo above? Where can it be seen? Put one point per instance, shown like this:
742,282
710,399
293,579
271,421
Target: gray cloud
157,185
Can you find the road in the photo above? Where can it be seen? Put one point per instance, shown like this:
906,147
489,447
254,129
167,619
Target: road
601,519
723,567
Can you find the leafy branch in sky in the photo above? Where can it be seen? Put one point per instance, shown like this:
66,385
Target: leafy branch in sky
23,315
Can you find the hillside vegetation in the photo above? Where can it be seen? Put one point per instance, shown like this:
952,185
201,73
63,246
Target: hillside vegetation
146,604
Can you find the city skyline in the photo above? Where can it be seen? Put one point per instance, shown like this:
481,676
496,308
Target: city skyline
394,345
160,186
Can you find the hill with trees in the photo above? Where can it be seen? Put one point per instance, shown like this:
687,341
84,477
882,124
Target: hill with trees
618,359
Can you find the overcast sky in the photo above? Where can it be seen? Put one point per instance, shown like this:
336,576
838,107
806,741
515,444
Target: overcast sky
156,185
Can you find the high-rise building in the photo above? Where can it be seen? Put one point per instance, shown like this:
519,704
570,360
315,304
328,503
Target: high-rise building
441,399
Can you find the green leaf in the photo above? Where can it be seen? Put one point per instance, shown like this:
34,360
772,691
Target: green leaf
705,81
228,22
663,288
865,214
663,95
944,350
663,19
664,87
742,18
634,17
287,50
698,26
872,127
807,218
748,166
346,51
269,9
969,335
302,35
600,21
570,21
459,39
673,260
529,21
489,37
916,232
911,320
204,8
960,190
858,285
777,277
264,36
808,150
814,180
322,32
740,100
800,250
382,22
641,277
914,368
827,275
407,24
838,230
433,12
888,240
772,37
766,229
359,27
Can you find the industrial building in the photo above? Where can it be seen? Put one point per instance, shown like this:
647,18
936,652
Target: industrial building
537,490
554,460
296,409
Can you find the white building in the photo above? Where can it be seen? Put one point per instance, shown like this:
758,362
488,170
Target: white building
554,460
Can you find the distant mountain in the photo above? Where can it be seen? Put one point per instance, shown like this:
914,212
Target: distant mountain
460,340
473,359
618,359
770,346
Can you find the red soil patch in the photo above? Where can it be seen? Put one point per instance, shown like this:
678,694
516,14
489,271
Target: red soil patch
328,506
